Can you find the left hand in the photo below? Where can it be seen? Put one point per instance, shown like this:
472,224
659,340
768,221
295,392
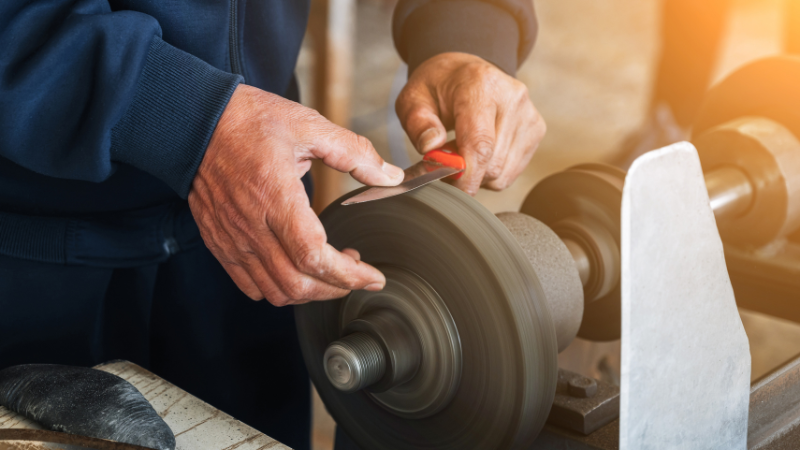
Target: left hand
497,127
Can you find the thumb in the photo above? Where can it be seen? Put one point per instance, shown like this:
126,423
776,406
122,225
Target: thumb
419,114
345,151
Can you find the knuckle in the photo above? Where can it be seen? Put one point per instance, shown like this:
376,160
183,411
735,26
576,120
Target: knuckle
521,91
247,254
500,184
313,114
481,71
227,215
541,126
303,114
205,221
238,221
216,251
220,252
404,99
278,300
255,295
298,290
471,185
416,113
308,259
351,284
493,172
210,239
364,145
245,259
484,147
223,256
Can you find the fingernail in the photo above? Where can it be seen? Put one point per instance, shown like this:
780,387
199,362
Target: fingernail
393,171
427,138
374,287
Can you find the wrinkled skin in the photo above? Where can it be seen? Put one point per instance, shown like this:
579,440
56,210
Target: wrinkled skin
253,211
250,204
497,127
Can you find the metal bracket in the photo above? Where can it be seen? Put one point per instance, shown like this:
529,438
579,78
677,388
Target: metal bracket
583,404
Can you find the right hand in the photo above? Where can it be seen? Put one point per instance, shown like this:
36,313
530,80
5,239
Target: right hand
253,212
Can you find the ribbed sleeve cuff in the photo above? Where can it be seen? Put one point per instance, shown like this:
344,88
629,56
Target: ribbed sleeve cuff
473,27
167,127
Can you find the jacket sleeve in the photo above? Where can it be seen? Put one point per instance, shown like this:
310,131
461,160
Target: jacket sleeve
500,31
83,88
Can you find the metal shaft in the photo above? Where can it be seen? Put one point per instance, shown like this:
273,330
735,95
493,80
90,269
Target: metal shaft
729,191
582,261
379,350
354,362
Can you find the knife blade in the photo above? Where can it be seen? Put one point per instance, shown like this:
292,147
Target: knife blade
435,165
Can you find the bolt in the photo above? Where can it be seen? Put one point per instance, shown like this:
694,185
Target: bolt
354,362
581,387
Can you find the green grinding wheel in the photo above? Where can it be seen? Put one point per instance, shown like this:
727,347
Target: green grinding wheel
467,258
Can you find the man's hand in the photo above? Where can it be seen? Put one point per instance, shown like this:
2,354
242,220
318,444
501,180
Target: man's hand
497,127
251,208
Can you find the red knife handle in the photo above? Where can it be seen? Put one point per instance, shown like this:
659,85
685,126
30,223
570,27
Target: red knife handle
447,156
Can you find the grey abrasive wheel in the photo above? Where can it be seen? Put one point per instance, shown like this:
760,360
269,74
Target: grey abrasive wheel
439,242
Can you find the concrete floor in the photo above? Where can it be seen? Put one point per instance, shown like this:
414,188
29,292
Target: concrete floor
589,75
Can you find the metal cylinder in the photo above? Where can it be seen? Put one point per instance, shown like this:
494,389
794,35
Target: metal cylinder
399,342
581,258
729,191
379,351
354,362
595,253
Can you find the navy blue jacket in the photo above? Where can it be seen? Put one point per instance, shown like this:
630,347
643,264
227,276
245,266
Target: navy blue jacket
107,106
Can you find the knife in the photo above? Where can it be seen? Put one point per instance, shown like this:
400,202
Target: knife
436,164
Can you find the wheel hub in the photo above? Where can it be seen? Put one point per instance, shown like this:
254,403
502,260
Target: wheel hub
401,343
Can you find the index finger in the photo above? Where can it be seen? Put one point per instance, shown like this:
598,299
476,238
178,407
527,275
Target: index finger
345,151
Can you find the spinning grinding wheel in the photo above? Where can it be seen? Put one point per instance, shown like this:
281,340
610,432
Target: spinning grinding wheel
464,307
458,351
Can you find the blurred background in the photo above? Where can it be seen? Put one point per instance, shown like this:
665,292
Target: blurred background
600,75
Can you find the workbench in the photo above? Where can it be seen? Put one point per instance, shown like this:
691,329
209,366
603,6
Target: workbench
196,424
